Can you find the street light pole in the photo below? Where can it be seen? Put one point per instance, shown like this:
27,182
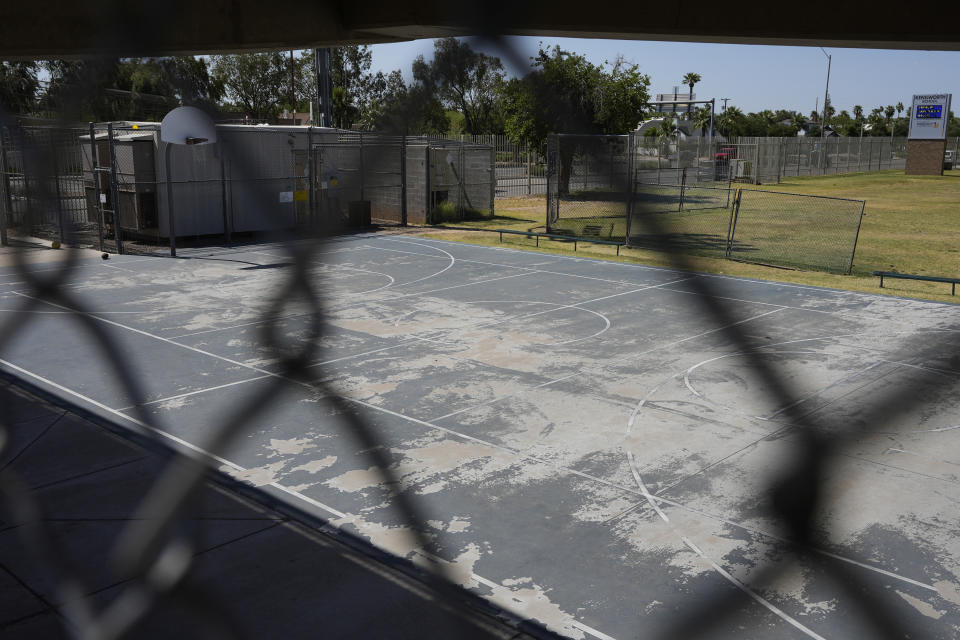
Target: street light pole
826,96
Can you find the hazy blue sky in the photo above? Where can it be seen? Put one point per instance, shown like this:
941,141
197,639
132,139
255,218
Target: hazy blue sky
753,77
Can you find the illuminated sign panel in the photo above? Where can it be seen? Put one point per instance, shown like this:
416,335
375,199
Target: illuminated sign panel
928,116
925,111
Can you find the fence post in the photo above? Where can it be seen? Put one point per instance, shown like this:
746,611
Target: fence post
227,231
96,183
114,192
462,188
856,237
756,163
311,213
493,180
683,187
428,217
403,181
631,153
56,181
361,168
732,228
171,230
7,196
529,168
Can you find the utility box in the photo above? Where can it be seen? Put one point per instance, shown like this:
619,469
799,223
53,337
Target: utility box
359,213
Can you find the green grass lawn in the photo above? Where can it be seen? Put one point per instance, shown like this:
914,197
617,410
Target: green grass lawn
911,225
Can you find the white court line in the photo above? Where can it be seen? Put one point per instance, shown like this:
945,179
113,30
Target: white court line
559,306
429,424
840,313
70,312
840,294
750,592
193,449
262,377
390,412
432,275
202,453
556,307
635,470
493,585
812,394
348,306
581,370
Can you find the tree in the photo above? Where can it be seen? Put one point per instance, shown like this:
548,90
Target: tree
691,79
668,129
401,109
876,122
844,124
257,83
191,80
564,93
77,90
702,118
127,89
731,121
352,82
799,121
19,85
464,80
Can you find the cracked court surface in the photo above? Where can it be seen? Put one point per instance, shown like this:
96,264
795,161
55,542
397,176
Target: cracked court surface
590,449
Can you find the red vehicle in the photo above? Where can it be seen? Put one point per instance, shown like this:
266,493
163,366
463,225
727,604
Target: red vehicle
721,162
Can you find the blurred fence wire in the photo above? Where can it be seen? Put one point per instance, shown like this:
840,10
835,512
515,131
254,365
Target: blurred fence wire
80,197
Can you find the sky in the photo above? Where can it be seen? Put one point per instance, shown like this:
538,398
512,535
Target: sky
754,77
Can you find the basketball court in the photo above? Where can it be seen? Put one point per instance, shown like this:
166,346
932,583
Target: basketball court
589,447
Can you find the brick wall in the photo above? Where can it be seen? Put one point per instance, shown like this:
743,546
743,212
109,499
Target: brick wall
925,157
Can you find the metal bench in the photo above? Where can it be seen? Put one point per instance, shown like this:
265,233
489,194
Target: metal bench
906,276
555,238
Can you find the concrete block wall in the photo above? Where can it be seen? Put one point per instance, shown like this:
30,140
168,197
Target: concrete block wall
416,184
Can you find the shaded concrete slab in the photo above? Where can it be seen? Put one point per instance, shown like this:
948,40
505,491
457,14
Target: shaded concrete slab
254,572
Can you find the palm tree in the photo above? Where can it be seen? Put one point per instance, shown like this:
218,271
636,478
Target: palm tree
857,112
729,119
691,79
899,109
701,119
888,115
668,128
799,121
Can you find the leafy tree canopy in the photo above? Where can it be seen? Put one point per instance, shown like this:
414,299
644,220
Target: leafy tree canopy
567,93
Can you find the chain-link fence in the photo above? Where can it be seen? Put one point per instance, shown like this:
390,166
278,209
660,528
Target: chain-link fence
759,160
360,175
519,168
118,188
597,190
692,219
44,197
588,184
790,230
768,227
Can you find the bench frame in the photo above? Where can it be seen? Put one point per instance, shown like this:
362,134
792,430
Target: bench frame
907,276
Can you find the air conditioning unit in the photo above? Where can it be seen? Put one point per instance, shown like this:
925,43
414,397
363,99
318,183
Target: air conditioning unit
742,168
